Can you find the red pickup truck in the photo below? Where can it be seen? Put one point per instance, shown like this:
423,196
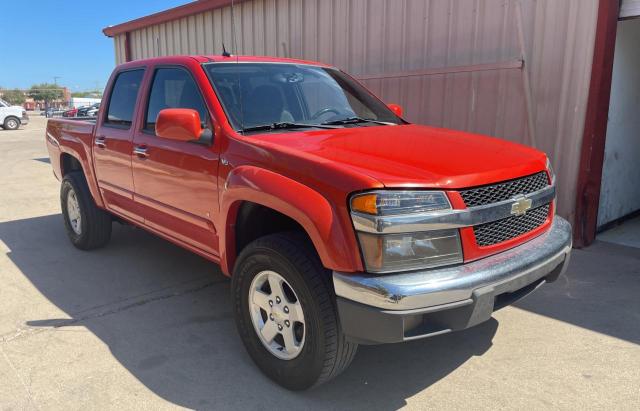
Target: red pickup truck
339,222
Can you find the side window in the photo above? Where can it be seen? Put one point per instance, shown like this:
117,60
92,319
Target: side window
123,98
173,88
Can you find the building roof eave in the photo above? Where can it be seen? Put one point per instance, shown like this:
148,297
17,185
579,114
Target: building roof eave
175,13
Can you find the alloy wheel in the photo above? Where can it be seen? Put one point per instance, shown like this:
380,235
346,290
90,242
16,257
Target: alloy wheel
73,212
277,315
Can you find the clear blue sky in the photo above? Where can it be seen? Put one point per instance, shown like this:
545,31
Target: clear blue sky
40,39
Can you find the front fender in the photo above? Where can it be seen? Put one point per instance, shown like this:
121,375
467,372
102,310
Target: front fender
333,239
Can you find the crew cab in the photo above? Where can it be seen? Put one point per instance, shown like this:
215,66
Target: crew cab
12,117
339,222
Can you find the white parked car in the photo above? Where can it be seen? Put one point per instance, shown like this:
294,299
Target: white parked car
12,117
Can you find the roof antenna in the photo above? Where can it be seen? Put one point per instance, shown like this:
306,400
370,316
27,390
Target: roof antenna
225,53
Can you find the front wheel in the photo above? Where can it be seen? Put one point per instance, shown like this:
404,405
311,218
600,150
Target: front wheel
11,123
286,314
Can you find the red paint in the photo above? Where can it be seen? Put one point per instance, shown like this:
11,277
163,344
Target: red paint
190,193
179,124
396,108
70,113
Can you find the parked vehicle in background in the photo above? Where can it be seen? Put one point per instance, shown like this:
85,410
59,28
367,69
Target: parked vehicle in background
88,111
12,117
53,112
79,102
93,112
72,112
339,222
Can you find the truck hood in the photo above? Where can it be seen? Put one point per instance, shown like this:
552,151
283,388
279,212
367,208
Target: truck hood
12,108
413,155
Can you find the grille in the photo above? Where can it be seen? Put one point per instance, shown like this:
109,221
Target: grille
504,191
510,227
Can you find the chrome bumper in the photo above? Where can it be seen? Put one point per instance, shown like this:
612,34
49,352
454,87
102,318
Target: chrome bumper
473,290
505,271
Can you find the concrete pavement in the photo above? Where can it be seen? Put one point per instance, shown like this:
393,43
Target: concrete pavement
144,324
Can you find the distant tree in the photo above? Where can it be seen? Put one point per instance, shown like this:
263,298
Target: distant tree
45,92
93,94
15,96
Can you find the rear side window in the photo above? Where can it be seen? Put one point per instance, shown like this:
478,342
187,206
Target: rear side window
173,88
123,98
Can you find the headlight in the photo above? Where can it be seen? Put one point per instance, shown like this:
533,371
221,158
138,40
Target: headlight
385,253
550,170
410,251
399,202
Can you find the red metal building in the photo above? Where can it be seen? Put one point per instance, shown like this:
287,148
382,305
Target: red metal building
538,72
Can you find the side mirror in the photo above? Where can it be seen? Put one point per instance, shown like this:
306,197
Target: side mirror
181,124
396,108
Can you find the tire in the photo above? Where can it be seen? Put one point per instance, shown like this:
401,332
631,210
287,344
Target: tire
93,230
324,351
11,123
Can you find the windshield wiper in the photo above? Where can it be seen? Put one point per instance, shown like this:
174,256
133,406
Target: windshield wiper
284,126
354,120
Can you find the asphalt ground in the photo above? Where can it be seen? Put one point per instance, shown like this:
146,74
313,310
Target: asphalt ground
144,324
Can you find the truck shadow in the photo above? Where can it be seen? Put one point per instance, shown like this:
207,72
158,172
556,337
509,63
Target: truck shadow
599,292
165,315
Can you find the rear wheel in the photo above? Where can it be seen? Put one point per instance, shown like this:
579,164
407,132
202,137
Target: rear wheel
11,123
87,226
286,313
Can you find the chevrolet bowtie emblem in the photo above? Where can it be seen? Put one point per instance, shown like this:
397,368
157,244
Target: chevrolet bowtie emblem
521,206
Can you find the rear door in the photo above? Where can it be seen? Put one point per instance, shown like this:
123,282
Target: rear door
113,147
176,182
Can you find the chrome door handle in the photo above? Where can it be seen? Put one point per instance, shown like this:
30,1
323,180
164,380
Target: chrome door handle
100,142
140,152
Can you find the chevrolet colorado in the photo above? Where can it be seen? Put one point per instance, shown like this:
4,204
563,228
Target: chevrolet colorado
339,222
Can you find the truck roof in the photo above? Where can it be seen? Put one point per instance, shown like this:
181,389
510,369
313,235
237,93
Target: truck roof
224,59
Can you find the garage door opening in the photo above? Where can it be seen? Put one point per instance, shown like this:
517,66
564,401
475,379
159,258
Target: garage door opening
620,191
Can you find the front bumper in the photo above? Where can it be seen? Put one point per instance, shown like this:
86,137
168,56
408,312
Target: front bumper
24,120
378,309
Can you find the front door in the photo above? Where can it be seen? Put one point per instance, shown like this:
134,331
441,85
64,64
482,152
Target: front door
175,182
112,147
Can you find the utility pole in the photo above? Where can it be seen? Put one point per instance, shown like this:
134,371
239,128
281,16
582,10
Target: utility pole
55,82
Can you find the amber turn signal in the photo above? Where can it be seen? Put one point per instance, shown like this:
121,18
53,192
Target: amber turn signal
365,204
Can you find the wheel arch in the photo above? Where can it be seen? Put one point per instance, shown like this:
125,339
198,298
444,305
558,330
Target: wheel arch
296,204
69,163
75,156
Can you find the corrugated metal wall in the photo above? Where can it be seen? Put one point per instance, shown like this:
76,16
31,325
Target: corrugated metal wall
119,47
392,39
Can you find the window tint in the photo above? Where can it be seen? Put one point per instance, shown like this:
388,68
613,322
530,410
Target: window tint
123,98
173,88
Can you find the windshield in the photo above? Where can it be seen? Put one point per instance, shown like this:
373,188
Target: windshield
4,103
295,95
